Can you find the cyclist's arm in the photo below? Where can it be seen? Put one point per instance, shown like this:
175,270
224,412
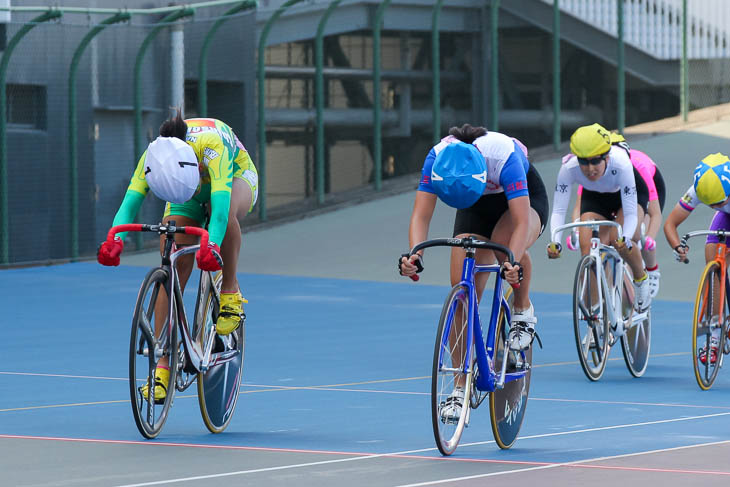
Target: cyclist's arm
561,200
519,209
513,178
220,168
424,205
675,218
133,198
629,203
421,217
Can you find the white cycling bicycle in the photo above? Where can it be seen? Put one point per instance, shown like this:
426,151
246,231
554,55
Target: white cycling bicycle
603,307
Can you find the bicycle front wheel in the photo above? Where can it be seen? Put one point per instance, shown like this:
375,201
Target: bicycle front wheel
507,405
636,340
146,349
591,331
449,411
710,312
218,387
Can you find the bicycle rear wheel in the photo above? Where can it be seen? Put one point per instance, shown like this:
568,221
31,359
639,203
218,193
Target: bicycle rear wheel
636,340
447,418
507,405
146,348
708,320
591,333
218,387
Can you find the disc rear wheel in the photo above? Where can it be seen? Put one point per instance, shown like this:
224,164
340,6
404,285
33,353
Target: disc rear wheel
507,405
636,340
218,387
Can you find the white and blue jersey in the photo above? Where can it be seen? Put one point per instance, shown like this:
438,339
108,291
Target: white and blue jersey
506,162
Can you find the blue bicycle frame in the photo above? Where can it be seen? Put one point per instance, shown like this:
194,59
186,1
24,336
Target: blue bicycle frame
487,379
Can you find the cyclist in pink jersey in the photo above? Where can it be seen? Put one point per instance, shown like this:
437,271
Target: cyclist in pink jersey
651,175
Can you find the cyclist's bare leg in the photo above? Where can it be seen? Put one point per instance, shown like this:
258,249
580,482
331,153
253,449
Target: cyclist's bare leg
632,257
241,197
584,239
184,268
502,233
649,255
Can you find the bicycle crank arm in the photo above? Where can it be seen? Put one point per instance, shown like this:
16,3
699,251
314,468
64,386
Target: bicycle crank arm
503,368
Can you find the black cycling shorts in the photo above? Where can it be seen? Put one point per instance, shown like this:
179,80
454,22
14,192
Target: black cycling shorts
482,216
608,204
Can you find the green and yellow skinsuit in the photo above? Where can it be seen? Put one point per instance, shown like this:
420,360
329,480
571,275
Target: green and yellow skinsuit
221,157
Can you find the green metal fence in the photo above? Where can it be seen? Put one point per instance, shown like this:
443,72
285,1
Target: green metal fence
82,91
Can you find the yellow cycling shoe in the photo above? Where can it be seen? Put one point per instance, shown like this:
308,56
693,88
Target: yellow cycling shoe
231,314
162,378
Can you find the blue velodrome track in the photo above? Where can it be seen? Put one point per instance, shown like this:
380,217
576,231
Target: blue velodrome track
337,371
335,367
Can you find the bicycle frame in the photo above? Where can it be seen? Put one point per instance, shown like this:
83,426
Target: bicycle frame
488,379
200,358
720,255
598,251
203,358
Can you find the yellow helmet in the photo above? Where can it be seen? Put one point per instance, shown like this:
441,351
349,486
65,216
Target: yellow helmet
590,141
616,138
712,179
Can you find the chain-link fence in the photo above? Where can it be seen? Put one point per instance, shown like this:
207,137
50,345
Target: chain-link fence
64,178
79,109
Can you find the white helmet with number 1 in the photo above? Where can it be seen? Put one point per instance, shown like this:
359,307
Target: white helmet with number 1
171,169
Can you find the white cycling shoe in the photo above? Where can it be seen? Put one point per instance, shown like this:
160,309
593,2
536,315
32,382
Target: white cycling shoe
642,295
451,408
654,282
522,329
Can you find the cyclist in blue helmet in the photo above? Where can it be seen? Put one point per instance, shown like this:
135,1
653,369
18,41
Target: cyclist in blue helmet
499,196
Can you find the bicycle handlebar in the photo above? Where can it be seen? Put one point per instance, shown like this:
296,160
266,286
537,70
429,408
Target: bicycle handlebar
160,228
721,234
466,243
589,223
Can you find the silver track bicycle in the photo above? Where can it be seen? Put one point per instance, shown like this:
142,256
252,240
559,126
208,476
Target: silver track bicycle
603,307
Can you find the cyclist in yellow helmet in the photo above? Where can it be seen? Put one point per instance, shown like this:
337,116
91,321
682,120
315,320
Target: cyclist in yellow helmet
652,222
612,190
711,187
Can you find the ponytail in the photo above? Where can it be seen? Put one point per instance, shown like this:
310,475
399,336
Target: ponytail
174,127
466,133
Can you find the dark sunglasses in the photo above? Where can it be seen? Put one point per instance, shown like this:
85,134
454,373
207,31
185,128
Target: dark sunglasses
593,161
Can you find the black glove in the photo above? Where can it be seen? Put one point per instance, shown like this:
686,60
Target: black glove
418,262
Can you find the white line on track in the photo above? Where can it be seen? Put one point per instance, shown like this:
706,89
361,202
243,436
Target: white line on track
65,376
402,453
580,464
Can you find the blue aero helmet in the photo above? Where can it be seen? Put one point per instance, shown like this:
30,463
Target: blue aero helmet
712,179
459,175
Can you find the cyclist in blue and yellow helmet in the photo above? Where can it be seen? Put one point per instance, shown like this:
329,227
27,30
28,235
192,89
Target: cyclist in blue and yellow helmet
612,190
711,187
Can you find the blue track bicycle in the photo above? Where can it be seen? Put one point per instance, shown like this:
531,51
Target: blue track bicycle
475,365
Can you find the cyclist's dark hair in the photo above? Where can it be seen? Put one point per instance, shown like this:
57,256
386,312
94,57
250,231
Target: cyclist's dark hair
174,127
466,133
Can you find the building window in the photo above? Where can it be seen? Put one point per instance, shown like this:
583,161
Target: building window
26,106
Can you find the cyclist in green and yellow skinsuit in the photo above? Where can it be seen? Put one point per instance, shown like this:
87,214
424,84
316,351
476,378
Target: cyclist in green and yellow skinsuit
210,170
